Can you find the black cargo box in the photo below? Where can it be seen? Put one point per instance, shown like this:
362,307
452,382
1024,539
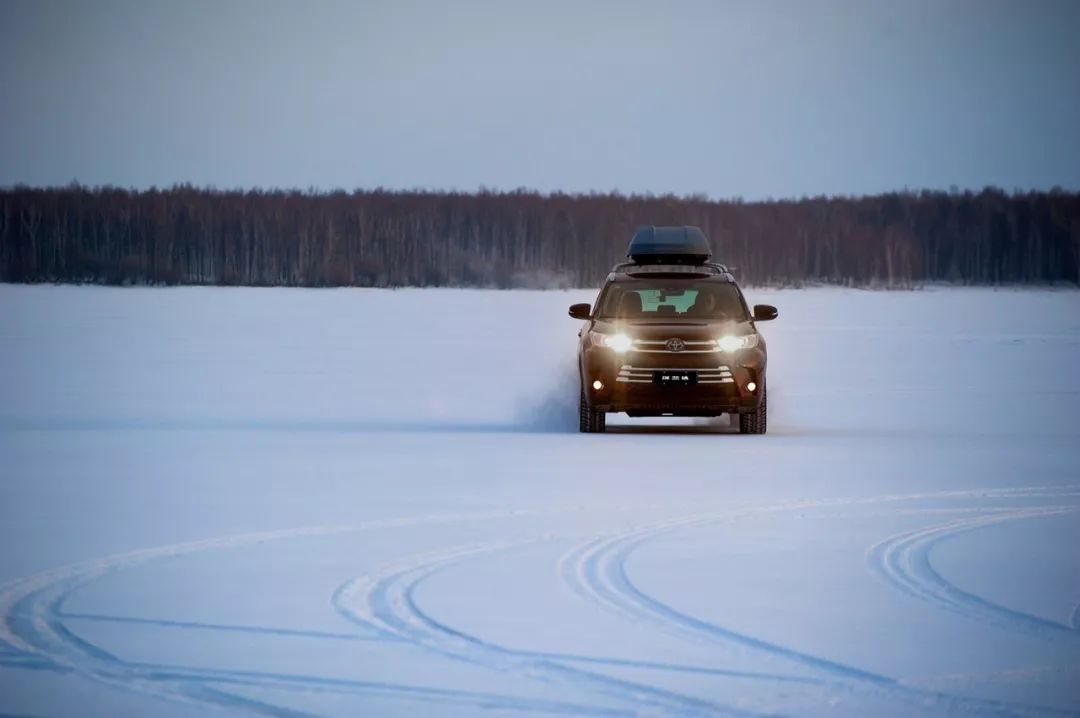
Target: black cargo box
669,245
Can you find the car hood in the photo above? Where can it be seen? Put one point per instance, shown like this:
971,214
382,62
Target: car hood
684,329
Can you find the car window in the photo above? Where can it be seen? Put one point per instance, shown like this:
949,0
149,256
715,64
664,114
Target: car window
646,299
653,299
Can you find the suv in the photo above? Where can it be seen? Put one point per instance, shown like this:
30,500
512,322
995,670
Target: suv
671,335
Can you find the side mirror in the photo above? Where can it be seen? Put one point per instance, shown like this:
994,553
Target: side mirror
764,312
580,311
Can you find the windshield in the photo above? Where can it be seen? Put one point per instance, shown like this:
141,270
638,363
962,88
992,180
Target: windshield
664,299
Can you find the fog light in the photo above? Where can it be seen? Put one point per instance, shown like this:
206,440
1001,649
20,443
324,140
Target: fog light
751,386
597,385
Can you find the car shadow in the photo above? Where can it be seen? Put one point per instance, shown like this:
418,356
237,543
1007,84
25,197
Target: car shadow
710,428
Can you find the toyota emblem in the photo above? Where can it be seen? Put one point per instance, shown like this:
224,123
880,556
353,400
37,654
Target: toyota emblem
675,345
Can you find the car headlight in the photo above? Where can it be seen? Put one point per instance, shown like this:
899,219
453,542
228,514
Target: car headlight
732,343
618,342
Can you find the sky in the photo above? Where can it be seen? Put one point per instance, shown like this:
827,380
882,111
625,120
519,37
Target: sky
751,99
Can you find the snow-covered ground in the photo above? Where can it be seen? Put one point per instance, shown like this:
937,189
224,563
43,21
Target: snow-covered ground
361,502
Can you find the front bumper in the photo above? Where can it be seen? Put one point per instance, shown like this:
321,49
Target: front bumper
628,385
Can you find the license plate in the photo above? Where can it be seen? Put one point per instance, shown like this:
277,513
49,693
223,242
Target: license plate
674,378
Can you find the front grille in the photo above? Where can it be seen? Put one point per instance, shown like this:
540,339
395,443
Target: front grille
644,375
655,346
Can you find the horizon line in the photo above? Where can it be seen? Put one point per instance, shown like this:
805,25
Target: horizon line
484,191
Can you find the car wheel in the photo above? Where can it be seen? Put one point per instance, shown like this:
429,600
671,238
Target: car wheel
590,421
756,421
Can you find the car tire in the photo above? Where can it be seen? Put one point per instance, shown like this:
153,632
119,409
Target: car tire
590,421
756,421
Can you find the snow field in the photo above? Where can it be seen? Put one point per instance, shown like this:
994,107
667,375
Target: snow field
342,502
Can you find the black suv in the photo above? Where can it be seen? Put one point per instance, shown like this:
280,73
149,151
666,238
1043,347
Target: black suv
671,335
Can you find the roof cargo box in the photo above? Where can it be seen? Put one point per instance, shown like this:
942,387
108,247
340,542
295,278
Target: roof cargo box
669,245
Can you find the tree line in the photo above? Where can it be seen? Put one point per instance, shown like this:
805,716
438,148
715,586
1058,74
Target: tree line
192,235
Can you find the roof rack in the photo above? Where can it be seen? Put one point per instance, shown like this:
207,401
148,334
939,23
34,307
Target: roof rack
703,268
632,269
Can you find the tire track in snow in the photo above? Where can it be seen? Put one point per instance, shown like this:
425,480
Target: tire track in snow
32,623
20,617
33,620
903,560
32,630
387,600
68,616
13,592
426,694
596,571
571,565
601,576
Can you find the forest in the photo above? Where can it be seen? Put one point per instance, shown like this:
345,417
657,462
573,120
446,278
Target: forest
193,235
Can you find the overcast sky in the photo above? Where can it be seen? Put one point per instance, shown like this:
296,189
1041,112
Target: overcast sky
750,99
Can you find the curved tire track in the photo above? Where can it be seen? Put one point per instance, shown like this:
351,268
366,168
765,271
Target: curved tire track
32,630
387,600
903,560
597,572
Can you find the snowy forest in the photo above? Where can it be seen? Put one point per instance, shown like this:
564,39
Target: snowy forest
191,235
